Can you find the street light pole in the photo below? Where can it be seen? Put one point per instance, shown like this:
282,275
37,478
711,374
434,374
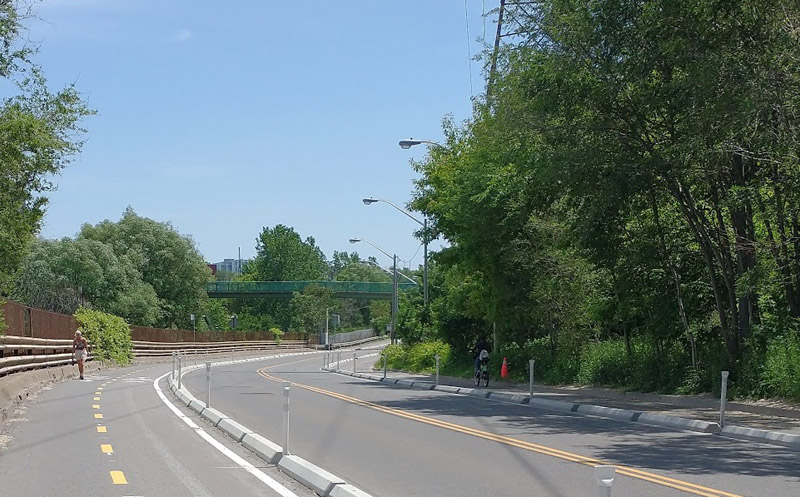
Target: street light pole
395,305
424,224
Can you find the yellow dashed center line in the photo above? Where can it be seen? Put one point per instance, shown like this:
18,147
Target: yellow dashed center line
95,406
102,429
107,449
96,398
118,477
98,416
541,449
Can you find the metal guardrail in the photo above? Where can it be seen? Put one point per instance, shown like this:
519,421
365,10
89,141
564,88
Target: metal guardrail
23,353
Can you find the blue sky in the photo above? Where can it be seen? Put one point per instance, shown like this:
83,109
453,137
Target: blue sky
225,117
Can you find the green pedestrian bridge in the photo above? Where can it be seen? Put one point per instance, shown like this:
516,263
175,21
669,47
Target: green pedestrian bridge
285,289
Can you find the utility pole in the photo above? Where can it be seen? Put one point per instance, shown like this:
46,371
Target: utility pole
495,50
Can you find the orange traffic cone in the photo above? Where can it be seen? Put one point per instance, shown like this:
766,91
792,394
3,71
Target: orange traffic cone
504,369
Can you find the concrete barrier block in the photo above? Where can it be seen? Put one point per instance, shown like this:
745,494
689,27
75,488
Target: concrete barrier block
213,415
423,385
348,490
446,388
237,431
552,405
476,392
405,383
183,397
790,440
315,478
197,406
607,412
679,423
265,449
508,397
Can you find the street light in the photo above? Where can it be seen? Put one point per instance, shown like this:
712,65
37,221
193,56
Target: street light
424,224
394,282
406,144
373,263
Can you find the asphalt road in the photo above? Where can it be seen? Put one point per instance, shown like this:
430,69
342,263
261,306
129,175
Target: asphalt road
130,444
387,441
396,442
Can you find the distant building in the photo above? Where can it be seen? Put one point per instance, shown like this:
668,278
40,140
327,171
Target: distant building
232,265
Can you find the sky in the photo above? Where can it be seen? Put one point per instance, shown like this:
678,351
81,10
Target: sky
223,118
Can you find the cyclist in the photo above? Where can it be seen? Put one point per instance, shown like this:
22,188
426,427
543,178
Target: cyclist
477,354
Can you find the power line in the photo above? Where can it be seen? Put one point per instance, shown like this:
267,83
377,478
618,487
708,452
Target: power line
469,51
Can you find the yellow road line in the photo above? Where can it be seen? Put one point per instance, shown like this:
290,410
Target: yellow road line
96,398
95,406
102,429
567,456
118,477
98,416
106,448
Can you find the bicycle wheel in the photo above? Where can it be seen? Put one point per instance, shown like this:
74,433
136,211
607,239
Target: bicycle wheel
477,378
486,378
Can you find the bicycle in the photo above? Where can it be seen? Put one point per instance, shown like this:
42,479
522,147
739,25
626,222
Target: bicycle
482,373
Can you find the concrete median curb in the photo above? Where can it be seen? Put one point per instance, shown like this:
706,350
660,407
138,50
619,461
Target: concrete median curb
775,437
317,479
677,422
314,477
607,412
213,416
263,448
237,431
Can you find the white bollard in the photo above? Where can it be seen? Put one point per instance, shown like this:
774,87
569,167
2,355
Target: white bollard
437,369
286,387
385,362
174,360
180,366
354,362
530,364
723,399
208,384
604,475
338,359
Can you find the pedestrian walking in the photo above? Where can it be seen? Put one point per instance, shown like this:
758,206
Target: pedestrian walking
80,350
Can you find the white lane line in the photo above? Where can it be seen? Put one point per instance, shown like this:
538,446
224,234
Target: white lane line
274,485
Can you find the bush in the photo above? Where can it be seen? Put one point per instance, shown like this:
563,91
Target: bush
781,375
417,358
277,334
109,336
2,318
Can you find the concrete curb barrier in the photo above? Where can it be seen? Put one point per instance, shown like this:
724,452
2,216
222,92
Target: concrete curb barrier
509,397
314,477
265,449
405,383
197,406
213,416
347,490
446,388
421,385
677,422
554,405
183,397
607,412
786,439
236,430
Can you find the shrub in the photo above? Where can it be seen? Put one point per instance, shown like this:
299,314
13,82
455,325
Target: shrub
417,358
781,375
277,334
109,336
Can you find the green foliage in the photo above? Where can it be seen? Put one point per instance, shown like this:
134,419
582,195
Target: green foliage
308,308
418,358
277,334
782,368
165,260
3,325
39,133
109,336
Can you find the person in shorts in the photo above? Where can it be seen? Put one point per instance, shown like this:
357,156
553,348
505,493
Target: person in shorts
80,350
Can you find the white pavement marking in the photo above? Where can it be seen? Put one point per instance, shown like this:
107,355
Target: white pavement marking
274,485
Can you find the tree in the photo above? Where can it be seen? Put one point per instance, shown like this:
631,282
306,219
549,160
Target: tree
39,133
167,261
308,308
